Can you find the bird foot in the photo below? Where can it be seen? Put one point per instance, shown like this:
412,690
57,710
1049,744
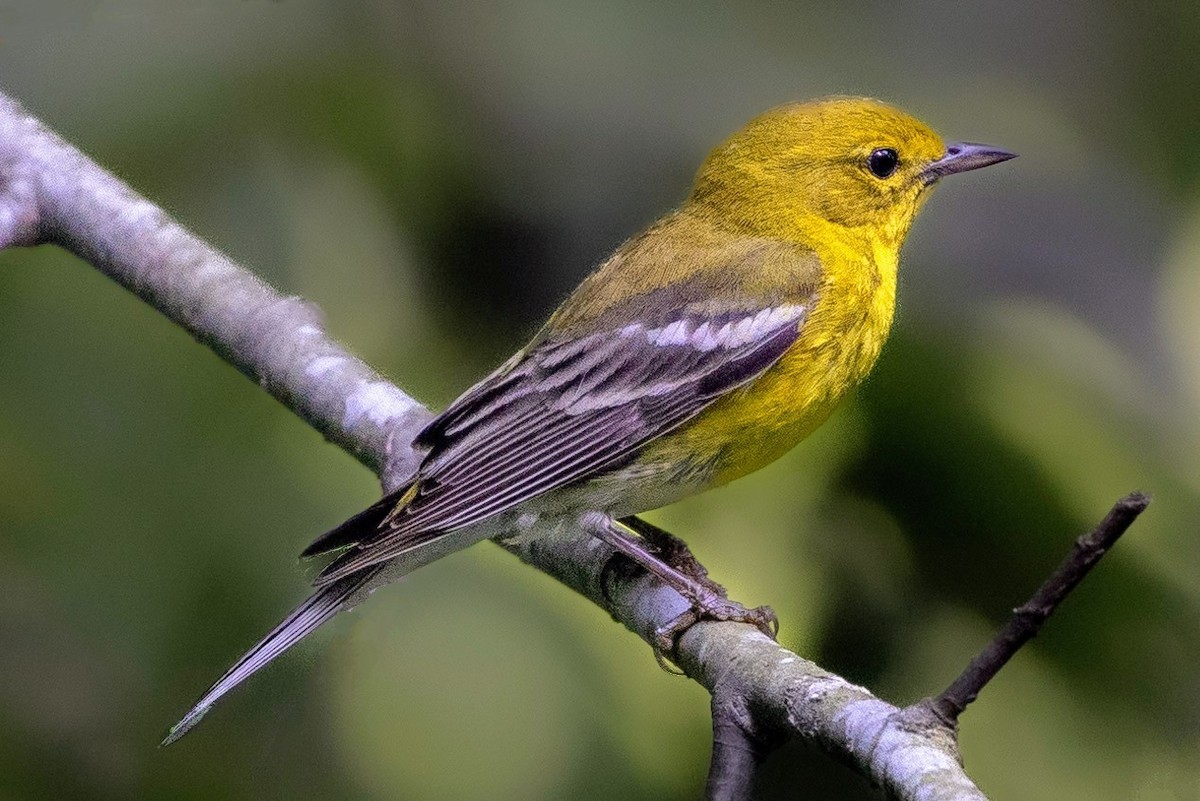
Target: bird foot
667,557
712,608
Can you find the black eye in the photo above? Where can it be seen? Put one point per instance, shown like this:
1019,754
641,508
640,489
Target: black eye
882,162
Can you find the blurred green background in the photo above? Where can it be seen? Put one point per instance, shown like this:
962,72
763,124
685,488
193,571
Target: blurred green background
437,175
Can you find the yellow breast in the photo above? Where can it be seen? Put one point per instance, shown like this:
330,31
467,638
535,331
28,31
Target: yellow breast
839,342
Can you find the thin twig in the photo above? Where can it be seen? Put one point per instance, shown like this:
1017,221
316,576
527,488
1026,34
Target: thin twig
1027,620
738,749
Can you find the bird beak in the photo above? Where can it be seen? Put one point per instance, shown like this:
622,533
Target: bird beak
963,156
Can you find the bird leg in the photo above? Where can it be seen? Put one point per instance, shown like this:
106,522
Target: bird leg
673,551
672,562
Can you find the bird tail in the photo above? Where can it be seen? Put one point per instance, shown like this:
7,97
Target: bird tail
339,595
303,620
364,524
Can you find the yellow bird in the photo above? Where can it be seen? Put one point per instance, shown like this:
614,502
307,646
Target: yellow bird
702,349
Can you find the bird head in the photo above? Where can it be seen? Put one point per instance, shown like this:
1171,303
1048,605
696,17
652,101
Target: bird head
847,162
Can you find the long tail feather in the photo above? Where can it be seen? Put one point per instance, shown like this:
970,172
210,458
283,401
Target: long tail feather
304,619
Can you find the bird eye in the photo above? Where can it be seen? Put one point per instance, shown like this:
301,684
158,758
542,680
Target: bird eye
882,162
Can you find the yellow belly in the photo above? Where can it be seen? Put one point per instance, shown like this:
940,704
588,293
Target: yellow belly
838,344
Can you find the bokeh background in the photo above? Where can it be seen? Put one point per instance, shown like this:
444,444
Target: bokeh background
437,175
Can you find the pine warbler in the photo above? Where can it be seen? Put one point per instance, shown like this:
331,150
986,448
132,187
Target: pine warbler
702,349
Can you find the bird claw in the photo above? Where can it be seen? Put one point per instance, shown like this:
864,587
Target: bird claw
715,608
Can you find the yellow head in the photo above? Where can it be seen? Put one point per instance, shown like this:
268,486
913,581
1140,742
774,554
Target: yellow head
849,162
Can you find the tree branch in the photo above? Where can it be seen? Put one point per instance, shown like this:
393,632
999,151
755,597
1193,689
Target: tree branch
738,750
1027,620
50,192
763,693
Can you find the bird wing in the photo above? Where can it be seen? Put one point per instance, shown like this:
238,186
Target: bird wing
563,411
570,405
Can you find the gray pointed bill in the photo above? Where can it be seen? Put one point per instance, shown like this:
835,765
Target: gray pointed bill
964,156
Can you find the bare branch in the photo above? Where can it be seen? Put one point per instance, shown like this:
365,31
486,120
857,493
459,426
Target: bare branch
1027,620
737,750
50,192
